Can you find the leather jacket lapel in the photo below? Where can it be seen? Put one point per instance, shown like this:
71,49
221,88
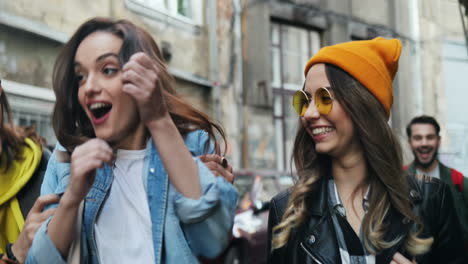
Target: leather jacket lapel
318,201
318,241
445,174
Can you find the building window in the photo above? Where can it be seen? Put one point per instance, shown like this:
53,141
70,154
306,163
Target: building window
290,48
184,8
186,11
31,105
42,122
178,7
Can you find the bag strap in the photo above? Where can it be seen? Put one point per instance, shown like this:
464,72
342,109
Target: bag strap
74,255
457,179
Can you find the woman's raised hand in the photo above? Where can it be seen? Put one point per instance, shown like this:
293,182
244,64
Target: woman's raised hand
140,78
85,159
400,259
32,223
219,166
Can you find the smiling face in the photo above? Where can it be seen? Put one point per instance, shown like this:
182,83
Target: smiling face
333,133
424,143
112,113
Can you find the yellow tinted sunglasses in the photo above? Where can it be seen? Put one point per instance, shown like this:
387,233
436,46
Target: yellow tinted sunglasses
322,98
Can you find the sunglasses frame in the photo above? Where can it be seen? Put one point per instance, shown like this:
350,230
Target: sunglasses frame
309,99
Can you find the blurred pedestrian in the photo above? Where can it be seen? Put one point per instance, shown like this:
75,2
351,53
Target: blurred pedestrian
424,140
352,202
133,144
23,162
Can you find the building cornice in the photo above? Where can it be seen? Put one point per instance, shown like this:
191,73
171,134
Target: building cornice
26,90
32,26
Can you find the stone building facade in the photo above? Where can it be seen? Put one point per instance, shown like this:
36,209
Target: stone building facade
32,32
278,38
446,41
240,60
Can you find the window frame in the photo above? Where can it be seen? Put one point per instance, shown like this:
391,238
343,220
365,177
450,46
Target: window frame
284,91
169,14
32,105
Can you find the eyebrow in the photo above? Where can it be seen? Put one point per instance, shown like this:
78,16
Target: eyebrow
101,57
105,55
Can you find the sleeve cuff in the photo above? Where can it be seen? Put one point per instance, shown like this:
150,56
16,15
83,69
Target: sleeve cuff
195,210
43,250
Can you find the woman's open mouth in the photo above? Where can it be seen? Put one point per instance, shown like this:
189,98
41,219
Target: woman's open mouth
99,112
321,133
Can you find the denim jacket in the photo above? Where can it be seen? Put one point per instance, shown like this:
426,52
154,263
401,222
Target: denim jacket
192,227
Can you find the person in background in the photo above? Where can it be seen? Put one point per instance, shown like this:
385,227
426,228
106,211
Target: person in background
23,162
353,203
128,150
424,139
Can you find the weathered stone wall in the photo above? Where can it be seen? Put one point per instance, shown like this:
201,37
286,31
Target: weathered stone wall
32,32
26,58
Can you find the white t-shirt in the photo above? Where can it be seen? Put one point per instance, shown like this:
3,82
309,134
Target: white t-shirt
433,173
123,226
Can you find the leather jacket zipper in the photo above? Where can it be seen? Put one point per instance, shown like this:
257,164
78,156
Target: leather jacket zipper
310,254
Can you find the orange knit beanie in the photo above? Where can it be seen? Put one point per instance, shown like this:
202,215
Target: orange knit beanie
373,63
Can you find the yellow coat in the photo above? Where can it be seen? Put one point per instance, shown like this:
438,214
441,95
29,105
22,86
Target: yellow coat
11,182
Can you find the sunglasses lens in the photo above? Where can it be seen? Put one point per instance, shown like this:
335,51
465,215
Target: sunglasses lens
323,101
300,102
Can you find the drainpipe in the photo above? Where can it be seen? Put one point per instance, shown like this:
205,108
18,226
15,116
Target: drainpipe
238,86
213,60
415,32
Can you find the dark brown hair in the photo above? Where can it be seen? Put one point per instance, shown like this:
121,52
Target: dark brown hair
70,122
12,137
383,157
424,119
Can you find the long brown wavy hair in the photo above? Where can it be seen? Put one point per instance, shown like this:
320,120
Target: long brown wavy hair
383,157
71,125
12,137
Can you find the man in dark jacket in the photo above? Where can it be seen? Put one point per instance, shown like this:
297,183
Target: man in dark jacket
424,139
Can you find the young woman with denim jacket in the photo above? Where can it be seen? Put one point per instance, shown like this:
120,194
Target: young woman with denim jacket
115,100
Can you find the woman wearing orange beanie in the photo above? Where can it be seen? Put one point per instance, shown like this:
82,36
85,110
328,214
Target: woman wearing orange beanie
352,202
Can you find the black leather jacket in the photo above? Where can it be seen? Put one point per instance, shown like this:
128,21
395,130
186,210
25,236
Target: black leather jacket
315,240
